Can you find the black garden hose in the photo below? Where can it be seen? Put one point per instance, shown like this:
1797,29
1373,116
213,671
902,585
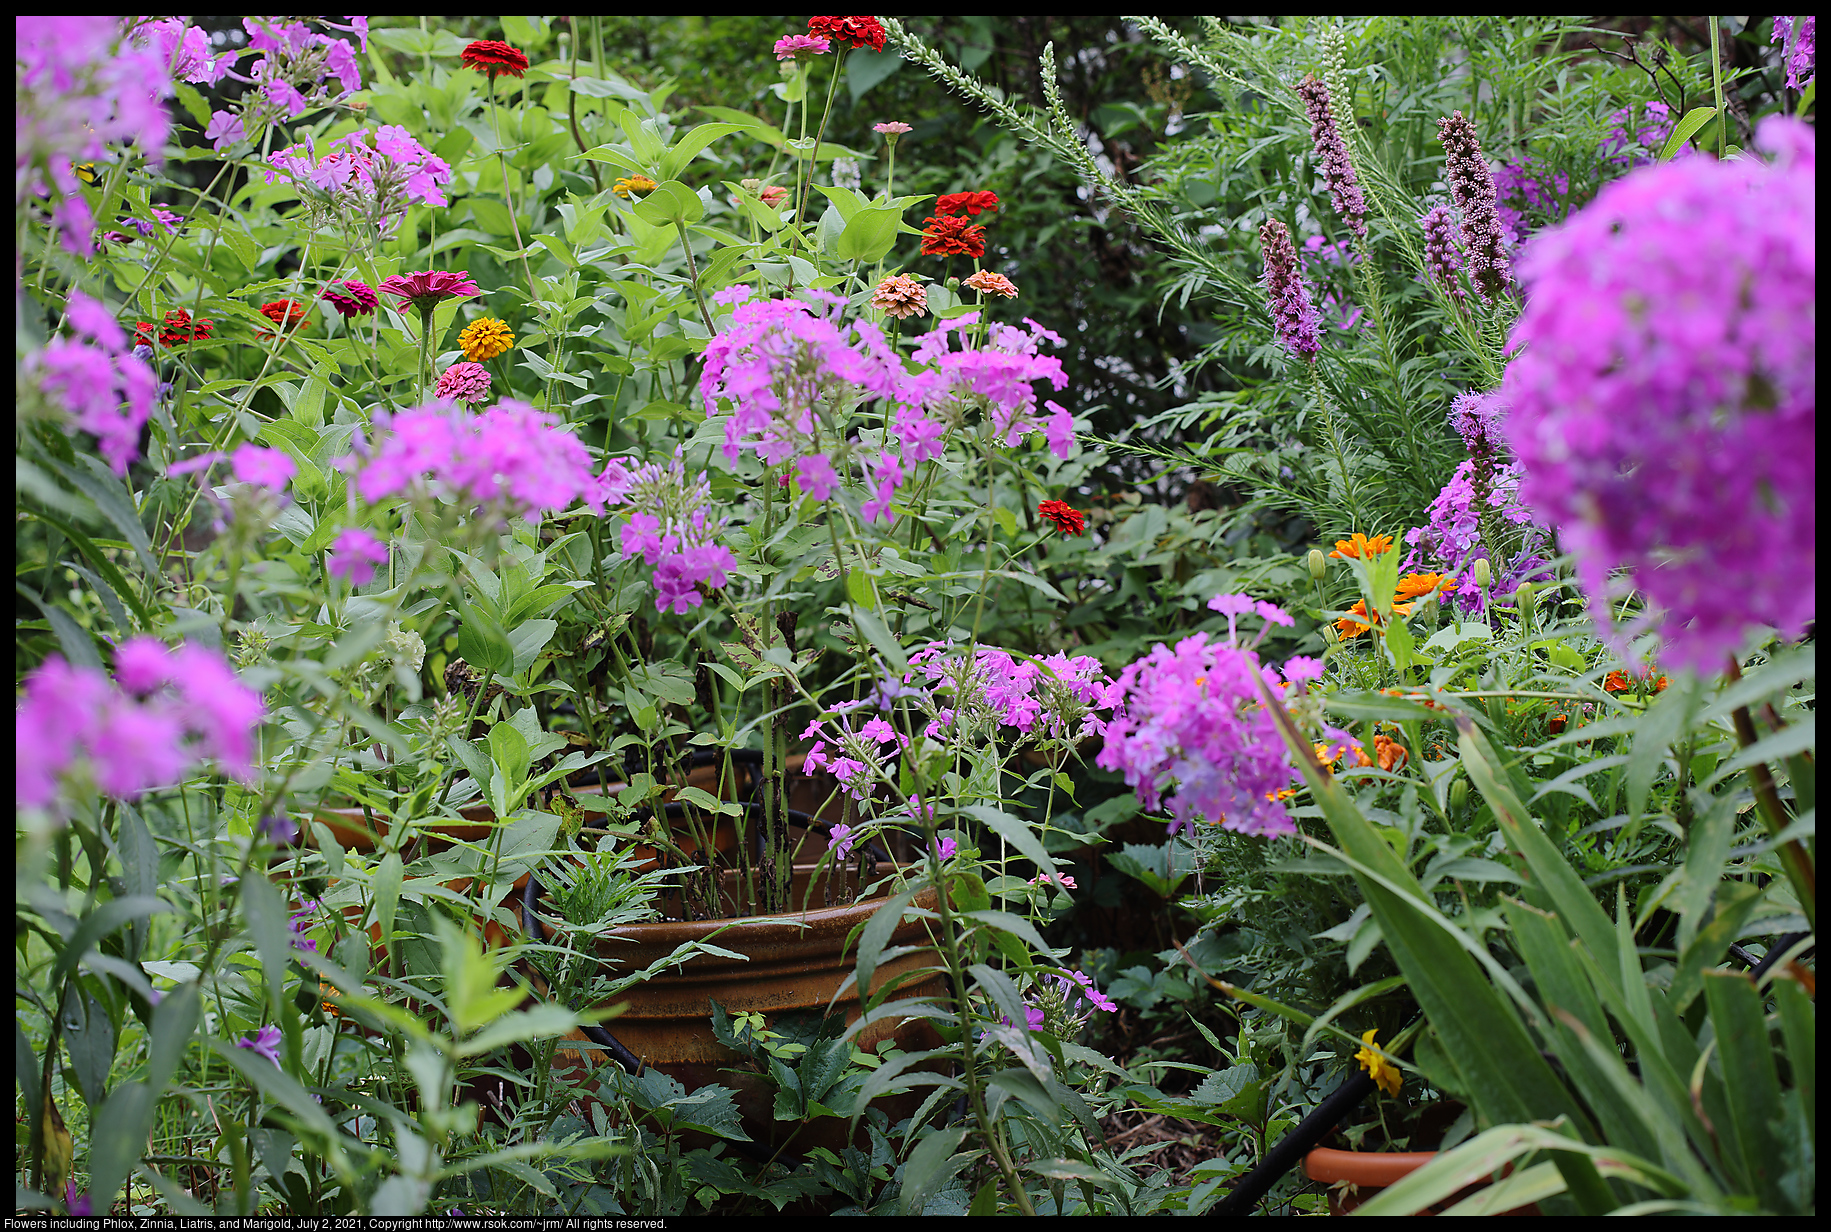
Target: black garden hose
1295,1145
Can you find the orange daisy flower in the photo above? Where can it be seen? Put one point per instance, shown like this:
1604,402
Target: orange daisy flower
1416,585
1362,547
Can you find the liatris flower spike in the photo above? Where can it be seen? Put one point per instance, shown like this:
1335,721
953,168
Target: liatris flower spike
1337,170
1292,313
1441,253
494,57
1472,184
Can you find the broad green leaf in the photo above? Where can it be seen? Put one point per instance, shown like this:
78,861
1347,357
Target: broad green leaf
1684,130
1749,1079
1015,831
1481,1157
869,235
266,917
930,1166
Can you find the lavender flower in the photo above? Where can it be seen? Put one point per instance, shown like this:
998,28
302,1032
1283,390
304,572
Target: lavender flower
267,468
670,525
1292,312
373,175
263,1043
1442,253
1638,149
1337,169
840,841
1663,391
1798,47
1472,185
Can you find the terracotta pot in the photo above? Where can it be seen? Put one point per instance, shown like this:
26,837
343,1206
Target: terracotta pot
1368,1172
794,963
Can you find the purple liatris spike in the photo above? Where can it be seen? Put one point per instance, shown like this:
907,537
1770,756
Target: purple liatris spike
1332,151
1472,184
1293,314
1441,253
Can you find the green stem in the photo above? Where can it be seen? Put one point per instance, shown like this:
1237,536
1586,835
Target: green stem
1716,82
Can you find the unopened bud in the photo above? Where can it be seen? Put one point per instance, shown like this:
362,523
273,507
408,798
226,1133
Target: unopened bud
1526,597
1459,794
1484,573
1319,564
750,185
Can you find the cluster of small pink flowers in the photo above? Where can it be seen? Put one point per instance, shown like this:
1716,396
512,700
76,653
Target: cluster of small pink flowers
1192,718
367,175
1293,314
1525,194
1798,39
292,74
1471,183
1442,253
465,382
1078,983
105,387
1638,147
668,523
355,555
801,46
1451,539
862,750
170,710
184,50
512,454
1337,170
1053,698
1063,880
998,376
1663,391
79,88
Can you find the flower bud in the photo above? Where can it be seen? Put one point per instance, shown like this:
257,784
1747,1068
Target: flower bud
1526,598
1319,564
1459,794
1484,573
750,185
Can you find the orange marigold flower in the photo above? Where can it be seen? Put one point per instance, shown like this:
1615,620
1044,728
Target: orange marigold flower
1621,682
1557,724
1354,628
1390,752
1362,547
1413,585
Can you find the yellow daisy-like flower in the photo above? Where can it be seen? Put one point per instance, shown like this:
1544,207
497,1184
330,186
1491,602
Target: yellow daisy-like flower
1384,1074
485,338
628,184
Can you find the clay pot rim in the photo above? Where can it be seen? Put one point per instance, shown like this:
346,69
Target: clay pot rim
783,926
1368,1169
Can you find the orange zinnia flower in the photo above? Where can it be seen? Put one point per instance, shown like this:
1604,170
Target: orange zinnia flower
1414,585
1362,547
1621,682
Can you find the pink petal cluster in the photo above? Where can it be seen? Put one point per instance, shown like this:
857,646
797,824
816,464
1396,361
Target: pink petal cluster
293,73
356,299
355,555
997,376
1663,392
465,382
801,46
1054,697
512,454
107,390
366,174
266,468
1190,719
170,710
668,522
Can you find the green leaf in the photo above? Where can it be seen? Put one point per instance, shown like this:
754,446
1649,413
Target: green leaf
266,917
688,147
866,69
120,1129
1478,1159
1013,924
482,643
1684,130
1658,728
542,1021
669,204
386,890
1016,832
527,640
1749,1079
878,634
876,935
930,1167
869,235
175,1020
100,923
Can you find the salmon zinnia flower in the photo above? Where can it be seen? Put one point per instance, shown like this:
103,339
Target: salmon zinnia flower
899,296
1362,547
493,57
988,283
484,339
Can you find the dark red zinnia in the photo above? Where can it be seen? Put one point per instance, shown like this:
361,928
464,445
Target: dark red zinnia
493,57
967,202
286,313
1064,517
855,31
952,236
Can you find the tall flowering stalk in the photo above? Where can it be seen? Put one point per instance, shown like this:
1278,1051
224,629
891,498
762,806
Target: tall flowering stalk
1442,255
1337,168
1293,314
1472,185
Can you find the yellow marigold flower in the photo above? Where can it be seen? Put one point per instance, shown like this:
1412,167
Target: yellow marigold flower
1384,1074
1362,546
485,338
628,184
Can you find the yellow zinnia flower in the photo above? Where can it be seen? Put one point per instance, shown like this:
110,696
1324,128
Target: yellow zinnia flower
628,184
485,338
1378,1068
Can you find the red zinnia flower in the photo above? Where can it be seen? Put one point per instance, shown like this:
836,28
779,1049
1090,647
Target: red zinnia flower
1065,518
952,237
286,313
857,31
971,202
493,57
177,329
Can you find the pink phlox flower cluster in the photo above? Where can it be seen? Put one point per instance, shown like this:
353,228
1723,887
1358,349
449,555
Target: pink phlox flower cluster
862,756
292,74
184,50
777,362
1450,540
80,87
355,555
1663,392
1055,697
999,375
263,467
169,710
1798,39
1063,880
372,175
299,923
1080,984
1638,148
511,453
1235,606
1524,186
106,388
840,839
1191,719
945,849
668,523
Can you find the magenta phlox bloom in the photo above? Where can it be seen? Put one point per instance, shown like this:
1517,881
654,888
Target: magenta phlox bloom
668,523
840,841
1190,719
1055,697
1450,540
945,849
815,474
511,454
366,174
355,555
79,88
1081,984
107,390
266,468
997,376
1663,392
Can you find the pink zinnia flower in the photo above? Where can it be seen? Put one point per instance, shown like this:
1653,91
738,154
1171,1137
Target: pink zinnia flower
425,289
466,382
357,299
988,283
892,129
801,47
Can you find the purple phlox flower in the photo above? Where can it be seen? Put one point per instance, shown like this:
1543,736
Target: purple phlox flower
997,377
77,1205
1293,315
355,555
1301,669
880,731
142,665
811,731
1679,444
1798,41
201,462
841,840
1033,1018
886,476
185,51
1633,144
225,130
374,175
679,537
280,829
1332,153
815,758
1190,719
80,88
511,455
267,468
299,923
1273,614
1081,982
815,474
945,848
107,390
264,1043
